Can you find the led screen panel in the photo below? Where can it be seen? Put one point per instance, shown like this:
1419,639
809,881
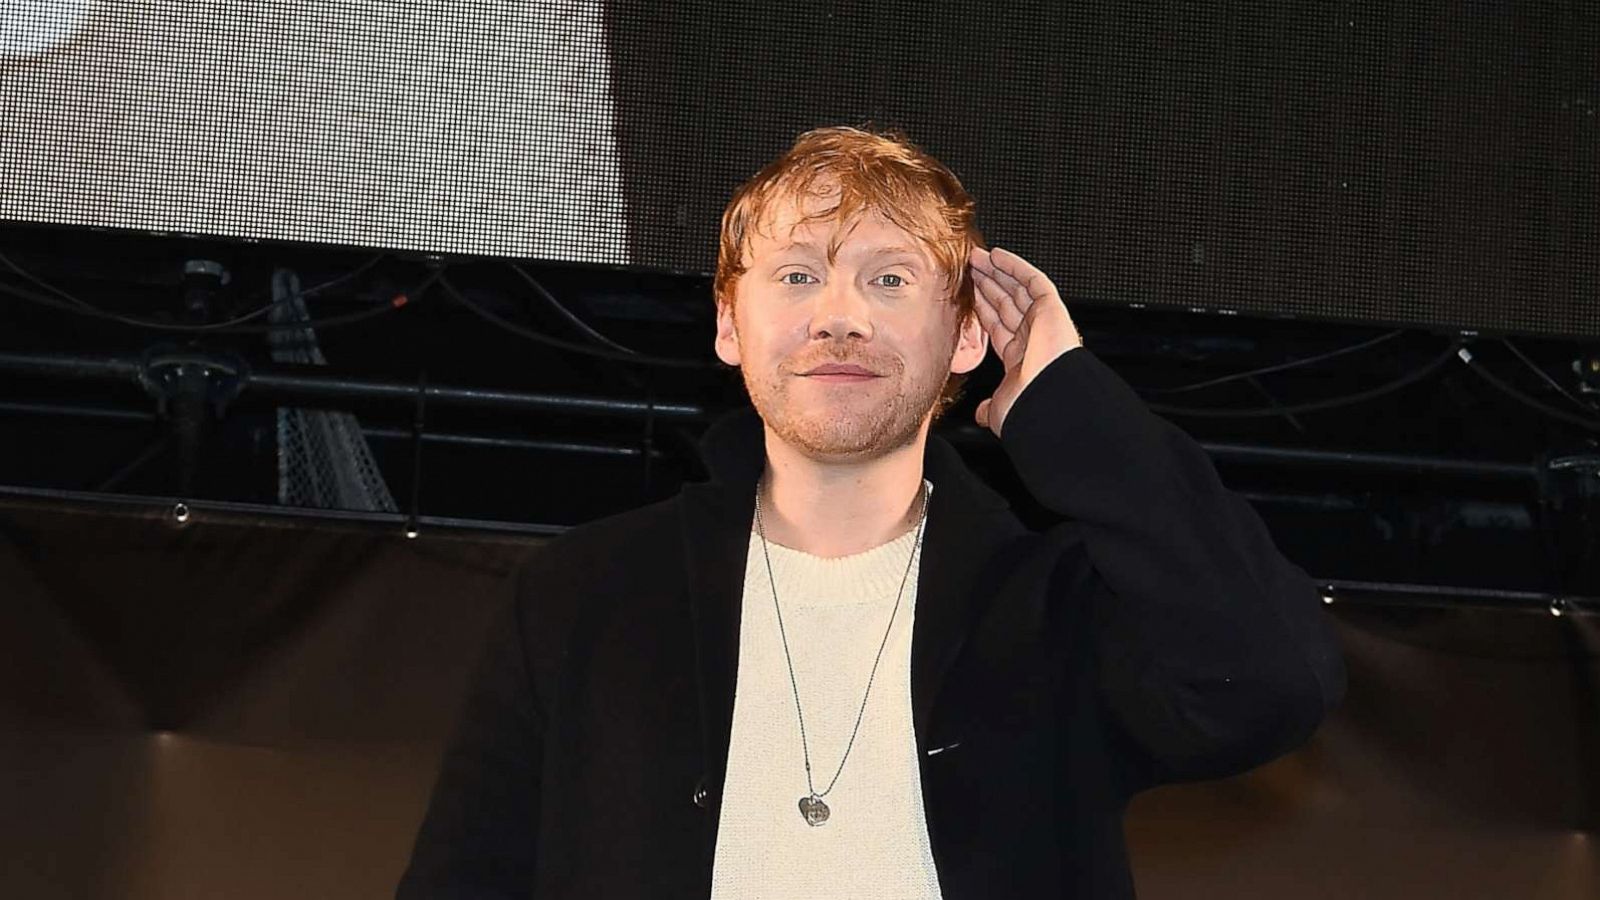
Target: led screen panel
1421,164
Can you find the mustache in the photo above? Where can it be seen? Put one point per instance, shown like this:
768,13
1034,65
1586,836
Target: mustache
805,362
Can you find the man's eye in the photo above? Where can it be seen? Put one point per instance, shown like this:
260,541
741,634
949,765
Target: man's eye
891,280
793,278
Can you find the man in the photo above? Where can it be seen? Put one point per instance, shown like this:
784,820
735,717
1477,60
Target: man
841,667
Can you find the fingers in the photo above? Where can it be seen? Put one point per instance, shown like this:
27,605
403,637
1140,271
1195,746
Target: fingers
1012,270
982,414
1003,301
1012,295
1000,335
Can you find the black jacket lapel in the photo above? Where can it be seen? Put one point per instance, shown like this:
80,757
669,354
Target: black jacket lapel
966,520
716,521
715,547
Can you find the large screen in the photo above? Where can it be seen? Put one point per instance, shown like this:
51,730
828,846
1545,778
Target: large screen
452,127
1423,164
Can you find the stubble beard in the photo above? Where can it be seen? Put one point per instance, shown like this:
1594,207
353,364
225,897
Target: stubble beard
851,430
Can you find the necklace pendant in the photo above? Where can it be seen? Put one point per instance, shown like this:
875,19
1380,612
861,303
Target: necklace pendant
814,810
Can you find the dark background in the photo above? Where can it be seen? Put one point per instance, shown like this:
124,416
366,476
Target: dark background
1416,163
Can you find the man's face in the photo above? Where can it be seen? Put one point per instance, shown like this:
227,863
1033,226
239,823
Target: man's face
843,360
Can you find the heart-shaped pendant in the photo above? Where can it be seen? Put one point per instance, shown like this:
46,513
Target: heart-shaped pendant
814,810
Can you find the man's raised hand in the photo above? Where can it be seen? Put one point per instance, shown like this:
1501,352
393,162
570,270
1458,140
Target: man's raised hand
1027,323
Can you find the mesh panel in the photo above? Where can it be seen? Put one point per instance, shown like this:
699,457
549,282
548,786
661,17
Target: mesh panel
323,458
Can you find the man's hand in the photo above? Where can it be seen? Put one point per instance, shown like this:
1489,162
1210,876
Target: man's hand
1027,323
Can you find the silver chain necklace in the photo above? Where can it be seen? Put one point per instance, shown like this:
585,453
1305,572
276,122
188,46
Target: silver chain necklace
812,809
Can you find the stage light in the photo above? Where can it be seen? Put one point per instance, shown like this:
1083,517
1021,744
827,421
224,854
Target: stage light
31,27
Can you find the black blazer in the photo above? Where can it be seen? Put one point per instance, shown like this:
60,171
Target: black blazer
1154,635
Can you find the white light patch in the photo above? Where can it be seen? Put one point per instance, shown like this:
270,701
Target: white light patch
31,27
480,127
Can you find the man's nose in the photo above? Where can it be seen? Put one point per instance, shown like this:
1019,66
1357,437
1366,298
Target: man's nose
841,311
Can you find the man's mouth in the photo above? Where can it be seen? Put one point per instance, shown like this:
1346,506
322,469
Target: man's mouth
840,373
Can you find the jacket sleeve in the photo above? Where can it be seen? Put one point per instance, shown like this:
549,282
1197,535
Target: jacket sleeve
1214,653
478,838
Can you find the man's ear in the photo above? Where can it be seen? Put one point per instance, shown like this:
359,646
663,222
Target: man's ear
972,342
727,334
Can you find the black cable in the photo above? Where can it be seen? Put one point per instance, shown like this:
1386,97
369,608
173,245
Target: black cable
1276,404
558,343
230,326
1329,403
1547,379
395,303
1508,390
328,285
1278,367
39,282
568,314
77,305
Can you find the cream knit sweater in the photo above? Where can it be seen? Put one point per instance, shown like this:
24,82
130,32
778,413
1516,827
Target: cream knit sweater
875,842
